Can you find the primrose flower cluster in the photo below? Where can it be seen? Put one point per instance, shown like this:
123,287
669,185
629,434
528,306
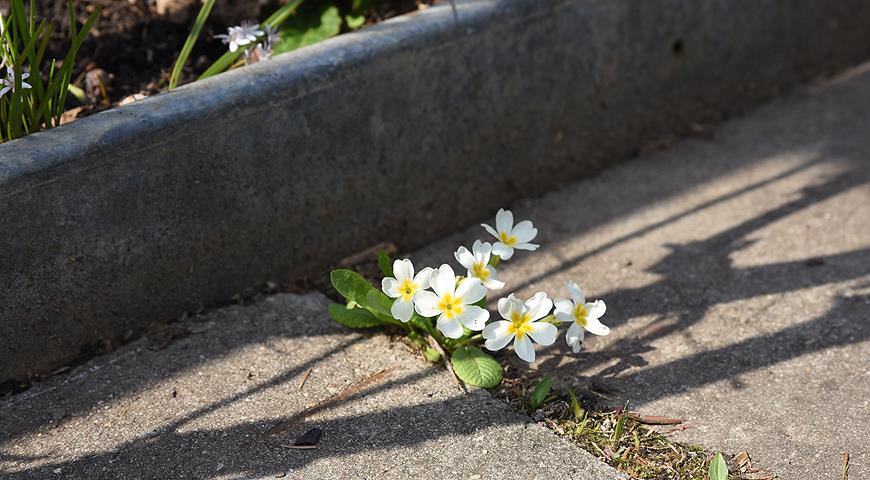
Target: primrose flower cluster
455,301
443,313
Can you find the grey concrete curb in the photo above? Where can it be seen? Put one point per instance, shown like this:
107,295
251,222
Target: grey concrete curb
403,131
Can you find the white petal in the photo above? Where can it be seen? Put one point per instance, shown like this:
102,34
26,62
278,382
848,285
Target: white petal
564,309
422,278
516,304
496,335
482,251
526,246
539,306
595,327
403,269
443,281
489,230
402,309
504,220
504,307
450,327
464,257
390,286
503,251
4,90
426,303
524,231
474,318
525,350
234,46
470,290
543,333
574,336
576,293
491,282
25,85
596,309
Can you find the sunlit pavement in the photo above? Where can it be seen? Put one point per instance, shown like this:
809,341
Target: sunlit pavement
736,271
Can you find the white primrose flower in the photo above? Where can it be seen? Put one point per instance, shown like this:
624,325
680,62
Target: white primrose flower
582,315
8,84
453,303
242,35
405,288
511,236
477,264
521,325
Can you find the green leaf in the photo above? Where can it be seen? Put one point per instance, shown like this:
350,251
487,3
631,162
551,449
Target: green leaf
718,468
476,368
539,394
379,302
354,21
351,285
417,340
352,317
431,355
575,407
309,27
385,263
204,12
422,323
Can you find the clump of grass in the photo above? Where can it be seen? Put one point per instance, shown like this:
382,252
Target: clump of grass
632,447
614,436
33,89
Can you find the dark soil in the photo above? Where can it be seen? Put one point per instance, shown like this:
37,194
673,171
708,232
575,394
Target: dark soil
131,48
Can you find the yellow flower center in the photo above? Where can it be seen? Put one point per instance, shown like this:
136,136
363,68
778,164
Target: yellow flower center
450,306
580,315
520,324
479,270
407,289
506,239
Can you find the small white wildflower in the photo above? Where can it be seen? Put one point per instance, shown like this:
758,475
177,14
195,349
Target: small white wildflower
242,35
453,303
520,324
405,287
8,83
511,236
263,50
477,264
582,315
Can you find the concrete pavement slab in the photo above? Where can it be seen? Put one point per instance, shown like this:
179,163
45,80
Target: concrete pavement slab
197,407
736,271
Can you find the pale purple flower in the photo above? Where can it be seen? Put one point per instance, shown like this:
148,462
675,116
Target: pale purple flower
7,84
244,34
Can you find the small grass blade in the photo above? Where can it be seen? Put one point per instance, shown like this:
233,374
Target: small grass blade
191,40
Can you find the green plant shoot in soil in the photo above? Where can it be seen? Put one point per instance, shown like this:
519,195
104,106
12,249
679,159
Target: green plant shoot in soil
33,88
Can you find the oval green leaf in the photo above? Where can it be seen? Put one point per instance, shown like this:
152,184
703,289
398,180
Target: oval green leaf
350,285
476,368
353,317
380,302
540,393
718,468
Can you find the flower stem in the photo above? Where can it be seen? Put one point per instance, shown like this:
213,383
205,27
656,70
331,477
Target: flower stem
495,260
468,340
